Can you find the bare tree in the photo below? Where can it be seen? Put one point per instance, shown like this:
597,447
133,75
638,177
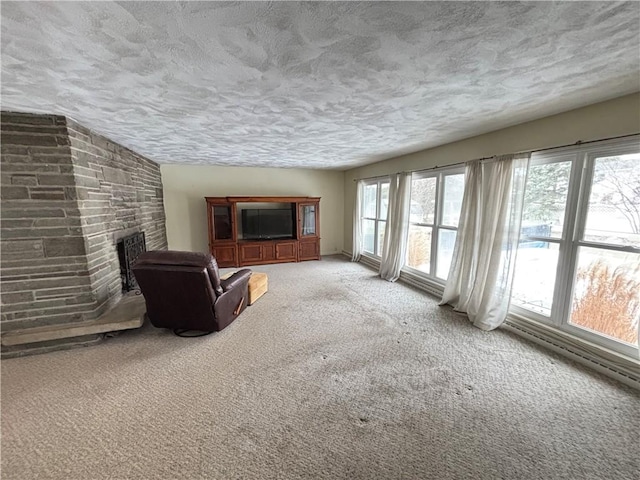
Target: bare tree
423,199
620,180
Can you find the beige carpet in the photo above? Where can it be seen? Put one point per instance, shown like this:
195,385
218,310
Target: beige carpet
333,374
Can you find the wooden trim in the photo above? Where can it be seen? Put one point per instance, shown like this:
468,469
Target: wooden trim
239,307
258,199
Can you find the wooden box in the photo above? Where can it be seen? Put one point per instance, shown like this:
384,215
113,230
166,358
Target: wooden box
258,286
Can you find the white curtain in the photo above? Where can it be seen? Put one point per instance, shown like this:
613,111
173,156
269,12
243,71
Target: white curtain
484,255
394,248
357,223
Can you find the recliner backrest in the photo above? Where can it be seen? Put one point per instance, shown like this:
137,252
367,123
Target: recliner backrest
179,288
177,297
184,259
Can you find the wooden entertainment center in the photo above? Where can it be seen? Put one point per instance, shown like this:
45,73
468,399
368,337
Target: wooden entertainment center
228,245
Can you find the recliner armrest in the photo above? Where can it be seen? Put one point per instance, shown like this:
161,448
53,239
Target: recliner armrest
236,279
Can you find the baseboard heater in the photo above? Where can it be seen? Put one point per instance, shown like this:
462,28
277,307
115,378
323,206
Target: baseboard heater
611,364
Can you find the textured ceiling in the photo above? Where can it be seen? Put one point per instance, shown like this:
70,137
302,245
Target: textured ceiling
314,85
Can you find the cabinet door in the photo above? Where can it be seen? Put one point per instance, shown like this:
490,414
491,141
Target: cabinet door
308,219
286,251
222,222
250,253
225,255
309,250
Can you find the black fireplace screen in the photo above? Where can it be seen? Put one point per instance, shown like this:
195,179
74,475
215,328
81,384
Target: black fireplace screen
128,250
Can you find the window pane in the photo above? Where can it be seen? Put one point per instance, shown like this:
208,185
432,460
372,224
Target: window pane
545,199
535,276
381,228
368,235
446,241
423,200
613,215
452,199
369,197
308,219
606,296
384,199
419,248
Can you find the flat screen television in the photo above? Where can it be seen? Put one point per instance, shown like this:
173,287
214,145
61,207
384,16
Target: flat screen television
267,224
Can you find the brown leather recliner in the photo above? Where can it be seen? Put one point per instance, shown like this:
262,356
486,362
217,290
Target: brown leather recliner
183,291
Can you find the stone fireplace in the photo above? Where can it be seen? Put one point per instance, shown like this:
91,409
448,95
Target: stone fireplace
68,196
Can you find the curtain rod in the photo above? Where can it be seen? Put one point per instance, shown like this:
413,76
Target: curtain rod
578,143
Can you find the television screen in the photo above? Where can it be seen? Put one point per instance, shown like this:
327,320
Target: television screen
267,224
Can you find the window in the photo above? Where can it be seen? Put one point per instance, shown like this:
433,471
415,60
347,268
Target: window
605,299
375,201
578,264
542,231
436,200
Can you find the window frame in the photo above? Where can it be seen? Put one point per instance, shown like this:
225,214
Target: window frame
600,150
571,240
437,225
546,158
378,181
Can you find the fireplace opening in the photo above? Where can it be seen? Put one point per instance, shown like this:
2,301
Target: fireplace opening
128,250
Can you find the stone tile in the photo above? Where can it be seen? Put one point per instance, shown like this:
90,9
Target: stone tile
30,264
66,292
25,139
71,193
28,118
31,285
32,308
24,179
113,175
53,157
48,195
12,193
42,151
40,321
8,149
19,297
64,247
53,179
16,223
14,128
29,167
90,182
42,212
57,222
26,233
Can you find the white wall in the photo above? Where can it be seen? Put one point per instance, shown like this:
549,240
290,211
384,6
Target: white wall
620,116
185,187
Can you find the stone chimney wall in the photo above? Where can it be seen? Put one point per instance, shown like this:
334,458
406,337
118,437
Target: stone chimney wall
119,193
68,195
